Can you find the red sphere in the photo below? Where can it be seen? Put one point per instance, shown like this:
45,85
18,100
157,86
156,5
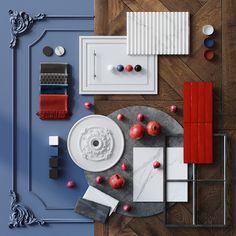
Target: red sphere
70,184
126,207
153,128
87,105
116,181
124,166
120,117
99,179
129,68
140,117
173,108
136,131
156,164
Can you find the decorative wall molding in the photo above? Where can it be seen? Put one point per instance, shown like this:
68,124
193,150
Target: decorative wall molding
21,22
21,216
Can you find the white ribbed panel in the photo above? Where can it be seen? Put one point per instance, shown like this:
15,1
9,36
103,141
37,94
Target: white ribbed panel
152,33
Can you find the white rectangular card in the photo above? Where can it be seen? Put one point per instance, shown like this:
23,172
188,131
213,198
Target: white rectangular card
95,195
148,182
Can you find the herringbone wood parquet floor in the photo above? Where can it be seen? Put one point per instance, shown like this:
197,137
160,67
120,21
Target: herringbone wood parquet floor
110,19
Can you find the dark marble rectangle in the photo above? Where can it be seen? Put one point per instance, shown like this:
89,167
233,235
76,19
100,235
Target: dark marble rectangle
92,210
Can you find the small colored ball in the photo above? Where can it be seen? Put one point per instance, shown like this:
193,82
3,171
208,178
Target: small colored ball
126,207
70,184
124,166
140,117
87,105
138,68
120,117
173,108
120,68
110,67
129,68
156,164
99,179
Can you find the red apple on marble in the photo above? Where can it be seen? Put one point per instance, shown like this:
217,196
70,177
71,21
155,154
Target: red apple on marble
116,181
87,105
140,117
156,164
124,166
126,207
70,184
153,128
120,117
136,131
173,108
99,179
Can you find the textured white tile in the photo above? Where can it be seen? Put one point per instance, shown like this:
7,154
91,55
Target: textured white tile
148,182
95,195
158,33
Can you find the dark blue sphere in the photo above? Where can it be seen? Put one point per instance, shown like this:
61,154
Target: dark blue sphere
120,68
209,42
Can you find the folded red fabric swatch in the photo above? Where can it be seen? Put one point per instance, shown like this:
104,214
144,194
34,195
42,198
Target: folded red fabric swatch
53,107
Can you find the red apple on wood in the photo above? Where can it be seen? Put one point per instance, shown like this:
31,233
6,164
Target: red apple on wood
136,131
173,108
153,128
116,181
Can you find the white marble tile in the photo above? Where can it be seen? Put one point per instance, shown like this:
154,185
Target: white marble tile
95,195
148,182
158,33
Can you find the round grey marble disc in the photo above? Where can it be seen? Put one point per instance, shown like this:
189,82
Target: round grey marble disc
169,127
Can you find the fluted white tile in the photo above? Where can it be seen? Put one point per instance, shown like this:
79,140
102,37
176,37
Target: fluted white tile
158,33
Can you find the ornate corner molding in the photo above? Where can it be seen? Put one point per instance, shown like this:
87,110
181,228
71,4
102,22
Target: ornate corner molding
21,216
21,22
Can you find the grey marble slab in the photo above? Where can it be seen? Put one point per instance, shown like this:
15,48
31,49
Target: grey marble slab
169,127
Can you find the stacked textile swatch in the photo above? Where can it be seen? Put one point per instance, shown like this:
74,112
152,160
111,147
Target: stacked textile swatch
54,91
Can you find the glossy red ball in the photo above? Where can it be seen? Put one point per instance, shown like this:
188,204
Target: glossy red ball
129,68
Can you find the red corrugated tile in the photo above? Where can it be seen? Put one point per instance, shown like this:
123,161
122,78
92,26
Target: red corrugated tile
201,143
208,101
208,143
201,102
194,143
194,102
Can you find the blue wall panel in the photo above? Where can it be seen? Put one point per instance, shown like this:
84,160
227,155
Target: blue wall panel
48,199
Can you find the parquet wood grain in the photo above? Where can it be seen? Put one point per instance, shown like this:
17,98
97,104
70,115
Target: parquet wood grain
110,19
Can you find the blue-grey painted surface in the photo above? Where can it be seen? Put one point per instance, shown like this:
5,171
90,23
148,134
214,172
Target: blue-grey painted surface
49,200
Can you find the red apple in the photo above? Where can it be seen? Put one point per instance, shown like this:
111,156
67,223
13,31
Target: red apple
120,117
136,131
153,128
173,108
87,105
99,179
126,207
70,184
116,181
156,164
124,166
140,117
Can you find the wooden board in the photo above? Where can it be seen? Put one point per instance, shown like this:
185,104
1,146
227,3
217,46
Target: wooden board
110,19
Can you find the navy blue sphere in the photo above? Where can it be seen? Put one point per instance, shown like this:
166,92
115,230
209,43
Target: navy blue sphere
120,68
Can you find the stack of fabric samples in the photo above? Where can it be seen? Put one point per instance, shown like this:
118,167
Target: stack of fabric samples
53,100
